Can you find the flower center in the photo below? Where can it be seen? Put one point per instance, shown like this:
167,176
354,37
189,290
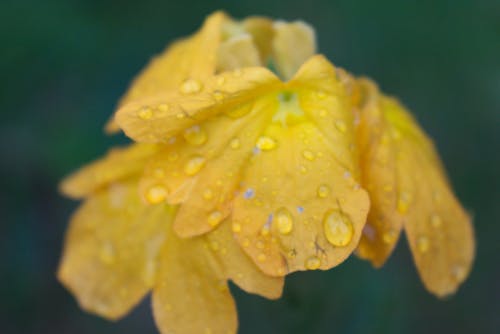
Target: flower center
289,111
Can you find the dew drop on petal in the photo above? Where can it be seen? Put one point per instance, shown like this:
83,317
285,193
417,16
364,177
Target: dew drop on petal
338,228
145,113
195,135
283,221
423,244
261,257
208,194
194,165
436,220
265,143
323,191
107,253
389,236
236,227
235,143
190,86
214,218
313,263
156,194
404,202
458,272
308,155
341,126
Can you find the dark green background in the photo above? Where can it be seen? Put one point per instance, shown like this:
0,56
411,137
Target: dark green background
64,64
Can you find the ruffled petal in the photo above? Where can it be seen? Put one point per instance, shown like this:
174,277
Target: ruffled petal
119,163
301,206
410,188
110,255
159,118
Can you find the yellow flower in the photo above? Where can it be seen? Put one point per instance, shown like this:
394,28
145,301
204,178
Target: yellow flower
238,173
408,189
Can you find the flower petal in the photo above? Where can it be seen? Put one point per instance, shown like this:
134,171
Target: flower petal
119,163
191,295
307,209
193,57
159,118
239,267
417,195
239,51
293,44
110,253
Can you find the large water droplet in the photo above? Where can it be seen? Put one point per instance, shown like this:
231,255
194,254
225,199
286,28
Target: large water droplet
313,263
283,221
191,86
265,143
308,155
194,165
156,194
195,135
338,228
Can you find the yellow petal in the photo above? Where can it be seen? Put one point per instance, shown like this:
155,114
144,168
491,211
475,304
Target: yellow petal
193,57
191,295
110,255
262,32
159,118
239,267
307,209
293,44
118,164
439,231
239,51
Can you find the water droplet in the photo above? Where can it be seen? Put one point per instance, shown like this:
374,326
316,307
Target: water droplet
236,227
341,126
389,236
283,220
234,143
191,86
208,194
163,108
107,254
218,96
338,228
321,94
404,202
221,80
180,115
436,220
195,135
145,113
214,245
172,156
308,155
156,194
215,218
265,230
313,263
265,143
194,165
261,257
323,191
423,244
249,193
458,272
159,173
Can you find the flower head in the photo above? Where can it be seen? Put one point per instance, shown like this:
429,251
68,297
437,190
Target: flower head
244,174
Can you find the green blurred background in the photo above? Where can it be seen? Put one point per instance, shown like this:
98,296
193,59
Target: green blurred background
64,64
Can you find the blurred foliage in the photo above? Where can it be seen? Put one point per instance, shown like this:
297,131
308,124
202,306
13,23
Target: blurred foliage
64,65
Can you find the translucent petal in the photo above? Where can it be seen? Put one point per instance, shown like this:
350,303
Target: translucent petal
292,45
110,255
237,52
119,163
